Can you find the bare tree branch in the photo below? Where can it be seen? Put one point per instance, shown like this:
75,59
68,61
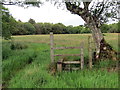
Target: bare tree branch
86,5
102,8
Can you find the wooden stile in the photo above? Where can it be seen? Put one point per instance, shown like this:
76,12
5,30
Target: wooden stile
59,63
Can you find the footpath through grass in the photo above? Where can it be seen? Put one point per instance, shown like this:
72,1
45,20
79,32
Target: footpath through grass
28,67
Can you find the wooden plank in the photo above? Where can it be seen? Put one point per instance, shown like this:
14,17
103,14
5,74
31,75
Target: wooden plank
82,56
71,62
75,68
66,47
67,55
51,47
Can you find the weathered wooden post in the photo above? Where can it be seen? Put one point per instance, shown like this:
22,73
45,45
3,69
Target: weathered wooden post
59,65
82,56
51,47
90,51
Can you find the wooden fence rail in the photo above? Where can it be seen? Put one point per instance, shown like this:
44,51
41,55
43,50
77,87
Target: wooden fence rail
67,55
66,48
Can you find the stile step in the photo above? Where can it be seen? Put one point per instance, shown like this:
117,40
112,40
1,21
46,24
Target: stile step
71,62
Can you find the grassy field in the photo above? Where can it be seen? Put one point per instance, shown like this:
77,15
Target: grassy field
26,61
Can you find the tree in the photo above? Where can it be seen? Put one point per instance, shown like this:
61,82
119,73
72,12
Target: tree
104,28
32,21
38,28
94,16
9,24
118,26
29,28
21,29
47,28
85,30
70,29
59,28
113,28
76,29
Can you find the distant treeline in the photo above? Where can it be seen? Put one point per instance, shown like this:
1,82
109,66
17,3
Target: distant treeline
31,27
12,27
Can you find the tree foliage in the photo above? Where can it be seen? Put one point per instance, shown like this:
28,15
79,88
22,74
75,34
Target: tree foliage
32,21
9,24
29,28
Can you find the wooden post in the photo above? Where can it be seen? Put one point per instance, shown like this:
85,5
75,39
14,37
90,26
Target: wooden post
90,52
82,56
51,47
59,66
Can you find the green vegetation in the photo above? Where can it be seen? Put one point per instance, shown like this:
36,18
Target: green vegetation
26,65
26,58
8,23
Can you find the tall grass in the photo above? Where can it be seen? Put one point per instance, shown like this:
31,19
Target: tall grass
27,67
14,60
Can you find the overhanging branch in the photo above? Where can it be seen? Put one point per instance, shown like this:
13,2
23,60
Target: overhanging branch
86,5
102,8
73,8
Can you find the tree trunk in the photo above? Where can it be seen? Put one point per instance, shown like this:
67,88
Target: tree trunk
96,32
103,49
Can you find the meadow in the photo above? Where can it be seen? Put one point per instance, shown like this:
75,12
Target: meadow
26,61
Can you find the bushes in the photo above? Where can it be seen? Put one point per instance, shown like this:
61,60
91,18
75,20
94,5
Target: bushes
6,51
7,48
17,45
